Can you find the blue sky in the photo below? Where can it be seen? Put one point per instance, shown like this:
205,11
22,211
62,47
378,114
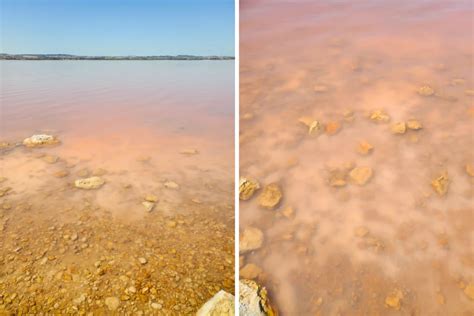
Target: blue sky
118,27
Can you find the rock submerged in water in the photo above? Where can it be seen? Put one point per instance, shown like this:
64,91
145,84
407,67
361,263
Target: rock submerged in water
394,299
89,183
250,239
270,196
399,128
313,125
40,140
250,271
253,300
221,304
379,116
441,183
247,188
148,206
361,175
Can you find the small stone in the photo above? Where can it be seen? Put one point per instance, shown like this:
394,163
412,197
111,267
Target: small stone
361,231
288,212
112,303
250,239
250,271
270,197
469,291
364,148
148,206
171,185
142,260
156,306
414,125
40,140
440,299
61,173
50,159
361,175
320,88
425,91
379,116
440,184
394,299
171,224
89,183
470,169
189,151
143,158
99,172
132,290
151,198
313,125
333,127
469,92
399,128
247,188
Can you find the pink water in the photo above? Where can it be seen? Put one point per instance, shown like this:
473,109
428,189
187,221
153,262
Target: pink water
368,55
129,123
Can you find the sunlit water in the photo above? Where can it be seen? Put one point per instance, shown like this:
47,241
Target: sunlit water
392,246
128,122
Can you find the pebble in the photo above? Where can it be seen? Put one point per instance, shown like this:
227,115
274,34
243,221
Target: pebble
312,124
399,128
394,299
112,303
364,148
333,127
379,116
361,175
441,184
61,173
414,125
151,198
189,152
148,206
142,260
425,91
171,185
156,306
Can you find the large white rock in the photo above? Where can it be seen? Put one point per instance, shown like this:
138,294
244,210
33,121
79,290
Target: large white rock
253,300
39,140
221,304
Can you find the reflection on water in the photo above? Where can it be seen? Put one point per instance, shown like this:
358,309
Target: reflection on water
160,134
362,114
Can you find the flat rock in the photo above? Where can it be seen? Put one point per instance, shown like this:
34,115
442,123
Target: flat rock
222,303
112,303
270,197
151,198
89,183
441,184
399,128
250,239
247,188
253,300
361,175
40,140
189,151
250,271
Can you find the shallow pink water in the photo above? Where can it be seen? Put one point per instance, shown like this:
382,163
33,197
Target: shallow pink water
367,55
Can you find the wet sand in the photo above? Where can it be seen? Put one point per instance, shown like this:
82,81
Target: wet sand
376,211
160,137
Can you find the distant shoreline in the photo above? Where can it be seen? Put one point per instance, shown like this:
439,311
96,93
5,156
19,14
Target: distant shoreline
79,57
